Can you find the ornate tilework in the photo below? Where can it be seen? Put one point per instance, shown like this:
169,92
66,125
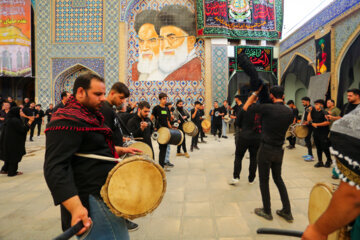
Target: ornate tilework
307,49
344,29
219,72
93,64
76,22
188,91
45,50
335,9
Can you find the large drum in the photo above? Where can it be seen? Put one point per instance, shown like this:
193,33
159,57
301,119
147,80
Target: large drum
301,131
190,129
206,125
170,136
145,148
134,187
319,201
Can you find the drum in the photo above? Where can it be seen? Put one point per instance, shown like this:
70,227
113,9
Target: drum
319,201
206,125
190,129
134,187
145,148
301,131
228,119
290,131
170,136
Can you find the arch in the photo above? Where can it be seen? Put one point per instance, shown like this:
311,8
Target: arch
309,60
129,7
340,58
67,77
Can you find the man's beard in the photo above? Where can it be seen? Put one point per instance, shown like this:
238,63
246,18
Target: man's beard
169,63
147,65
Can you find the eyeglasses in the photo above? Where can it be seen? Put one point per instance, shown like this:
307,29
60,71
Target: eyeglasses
171,39
151,41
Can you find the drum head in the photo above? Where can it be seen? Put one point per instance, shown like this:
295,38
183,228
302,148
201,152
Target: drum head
164,135
301,131
206,124
134,187
146,149
189,127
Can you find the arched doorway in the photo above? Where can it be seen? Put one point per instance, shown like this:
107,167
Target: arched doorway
65,80
349,71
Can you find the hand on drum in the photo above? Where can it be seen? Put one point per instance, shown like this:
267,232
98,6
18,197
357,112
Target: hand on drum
131,150
312,233
184,117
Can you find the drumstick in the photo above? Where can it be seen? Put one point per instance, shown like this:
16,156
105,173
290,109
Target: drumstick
138,138
69,233
98,157
273,231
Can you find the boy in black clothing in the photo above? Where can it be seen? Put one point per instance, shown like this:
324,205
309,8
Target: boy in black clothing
195,118
321,131
39,118
217,115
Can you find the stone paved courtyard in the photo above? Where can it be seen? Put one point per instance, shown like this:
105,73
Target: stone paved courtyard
199,204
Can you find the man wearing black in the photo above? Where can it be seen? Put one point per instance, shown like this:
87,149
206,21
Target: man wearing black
224,110
306,103
75,181
117,96
49,112
321,130
31,112
161,115
11,101
182,115
235,111
39,119
292,139
249,139
276,119
353,97
202,114
217,115
26,102
195,118
64,97
140,125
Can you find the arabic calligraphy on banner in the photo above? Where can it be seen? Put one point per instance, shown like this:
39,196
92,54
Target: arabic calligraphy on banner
15,37
261,57
250,19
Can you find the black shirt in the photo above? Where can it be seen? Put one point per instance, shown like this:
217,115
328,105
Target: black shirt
295,113
217,119
347,108
246,121
2,115
276,119
223,110
306,112
237,109
196,119
68,175
48,113
112,121
319,117
134,127
31,112
40,118
161,115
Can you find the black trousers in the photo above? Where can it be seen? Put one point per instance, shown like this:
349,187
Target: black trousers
292,141
270,158
183,145
308,141
202,134
10,167
322,144
195,140
162,154
237,134
242,145
32,130
217,129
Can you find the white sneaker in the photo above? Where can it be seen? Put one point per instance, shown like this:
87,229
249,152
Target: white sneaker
234,181
38,137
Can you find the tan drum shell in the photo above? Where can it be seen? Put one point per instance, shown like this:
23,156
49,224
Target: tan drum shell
190,129
165,136
319,201
301,131
145,148
206,125
134,187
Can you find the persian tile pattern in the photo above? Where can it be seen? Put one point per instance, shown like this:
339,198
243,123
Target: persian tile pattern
93,64
334,10
307,49
344,30
46,51
78,21
219,72
188,91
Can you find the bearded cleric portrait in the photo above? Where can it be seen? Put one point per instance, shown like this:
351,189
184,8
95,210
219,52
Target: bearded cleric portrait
167,41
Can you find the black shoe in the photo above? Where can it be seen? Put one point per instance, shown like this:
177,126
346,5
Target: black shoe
261,213
251,179
319,164
328,164
169,164
31,140
203,141
224,137
204,136
290,147
131,226
196,147
287,216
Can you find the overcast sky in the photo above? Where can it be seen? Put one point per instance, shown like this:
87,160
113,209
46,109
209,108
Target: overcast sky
296,13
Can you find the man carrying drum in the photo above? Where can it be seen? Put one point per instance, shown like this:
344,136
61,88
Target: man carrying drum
196,118
161,115
182,115
140,125
74,181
